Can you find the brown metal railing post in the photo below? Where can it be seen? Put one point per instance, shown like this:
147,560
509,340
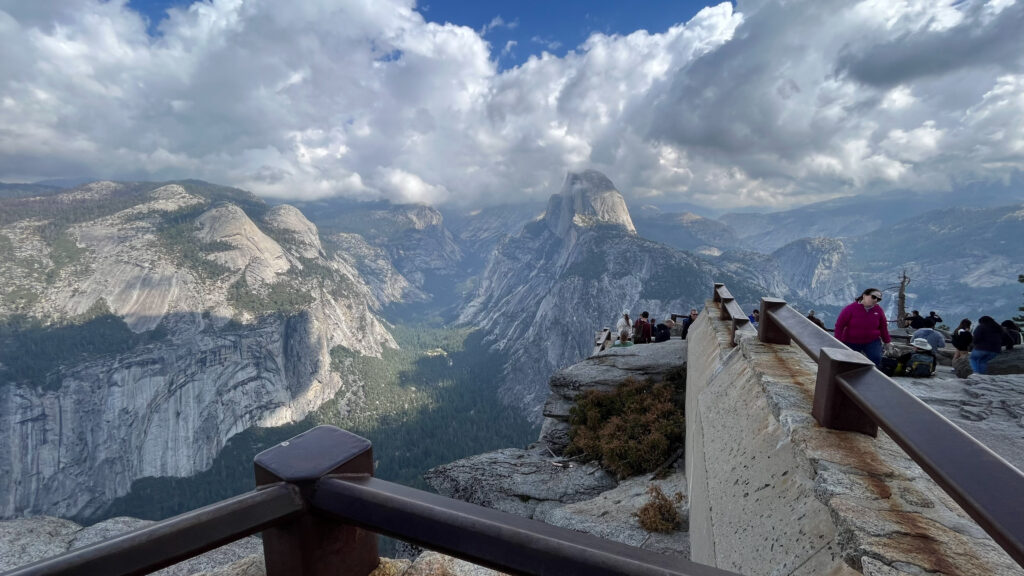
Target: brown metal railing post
312,545
768,330
832,408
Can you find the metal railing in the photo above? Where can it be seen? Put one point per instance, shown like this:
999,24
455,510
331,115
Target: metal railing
851,394
602,340
320,509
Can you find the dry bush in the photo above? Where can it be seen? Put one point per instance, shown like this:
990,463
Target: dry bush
660,513
631,430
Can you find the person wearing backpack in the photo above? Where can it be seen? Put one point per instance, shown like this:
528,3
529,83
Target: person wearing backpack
919,362
961,340
642,329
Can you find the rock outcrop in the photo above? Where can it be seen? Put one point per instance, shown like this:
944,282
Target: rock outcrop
537,483
576,268
228,359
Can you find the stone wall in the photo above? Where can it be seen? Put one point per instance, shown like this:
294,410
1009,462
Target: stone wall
771,492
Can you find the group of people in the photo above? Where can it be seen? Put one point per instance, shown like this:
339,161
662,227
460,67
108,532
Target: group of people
647,329
863,327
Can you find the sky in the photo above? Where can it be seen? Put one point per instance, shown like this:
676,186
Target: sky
756,104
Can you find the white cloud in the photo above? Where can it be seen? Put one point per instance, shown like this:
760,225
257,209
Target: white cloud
772,103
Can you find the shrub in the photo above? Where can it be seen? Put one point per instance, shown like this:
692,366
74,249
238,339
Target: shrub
660,513
630,430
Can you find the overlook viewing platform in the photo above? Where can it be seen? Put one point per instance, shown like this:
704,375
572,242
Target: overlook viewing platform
800,460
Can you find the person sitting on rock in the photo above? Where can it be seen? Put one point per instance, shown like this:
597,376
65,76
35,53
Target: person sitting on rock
919,362
929,333
817,321
624,339
1013,331
663,331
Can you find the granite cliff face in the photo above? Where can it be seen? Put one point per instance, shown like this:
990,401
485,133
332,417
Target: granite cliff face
247,305
545,290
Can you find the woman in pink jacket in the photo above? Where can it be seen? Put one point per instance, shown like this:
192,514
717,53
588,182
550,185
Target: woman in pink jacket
862,325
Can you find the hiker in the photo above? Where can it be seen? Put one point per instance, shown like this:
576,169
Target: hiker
1013,331
642,329
935,317
755,317
663,331
919,362
929,333
862,326
915,320
962,339
817,321
989,338
688,321
624,323
624,338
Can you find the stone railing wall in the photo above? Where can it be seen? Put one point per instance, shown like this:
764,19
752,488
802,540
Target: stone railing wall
771,492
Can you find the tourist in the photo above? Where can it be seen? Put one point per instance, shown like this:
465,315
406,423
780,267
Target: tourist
817,321
862,325
663,331
624,339
642,329
915,320
624,323
688,321
919,362
989,338
755,317
962,339
929,333
935,317
1013,331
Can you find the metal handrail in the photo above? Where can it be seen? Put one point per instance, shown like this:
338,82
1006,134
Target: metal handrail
176,539
852,394
485,536
319,508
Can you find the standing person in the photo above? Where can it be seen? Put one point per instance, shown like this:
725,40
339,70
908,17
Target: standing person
862,325
642,329
962,339
989,338
915,320
688,321
935,317
624,323
755,317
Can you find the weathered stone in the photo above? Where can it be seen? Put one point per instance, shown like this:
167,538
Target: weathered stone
518,481
435,564
27,540
752,452
613,515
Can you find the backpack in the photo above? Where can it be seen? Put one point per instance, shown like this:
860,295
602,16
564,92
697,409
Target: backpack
888,366
920,365
962,339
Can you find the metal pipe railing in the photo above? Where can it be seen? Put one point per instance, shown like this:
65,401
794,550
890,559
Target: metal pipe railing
851,394
176,539
487,537
320,509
